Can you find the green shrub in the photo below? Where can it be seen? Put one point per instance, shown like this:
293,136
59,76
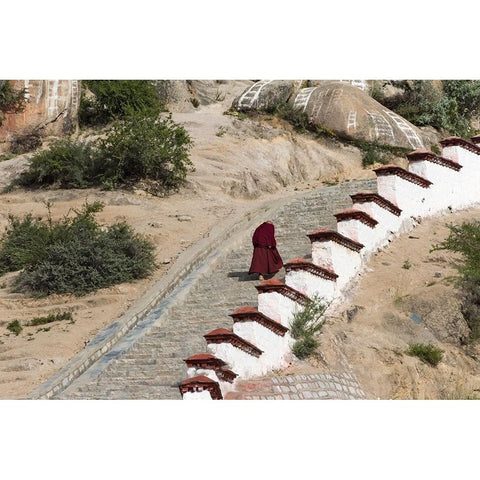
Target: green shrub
66,164
371,156
117,99
450,107
14,327
427,353
52,317
11,100
294,116
407,265
73,255
305,324
137,148
144,148
23,242
464,239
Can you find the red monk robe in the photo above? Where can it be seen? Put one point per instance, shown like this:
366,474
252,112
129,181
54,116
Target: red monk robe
266,258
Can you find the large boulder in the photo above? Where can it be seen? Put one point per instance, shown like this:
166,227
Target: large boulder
351,113
265,93
51,109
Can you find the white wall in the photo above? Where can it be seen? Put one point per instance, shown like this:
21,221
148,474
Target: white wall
309,284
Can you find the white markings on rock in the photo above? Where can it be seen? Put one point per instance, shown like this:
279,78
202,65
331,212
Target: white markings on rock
250,97
361,84
27,93
301,100
382,125
407,130
74,93
352,120
52,98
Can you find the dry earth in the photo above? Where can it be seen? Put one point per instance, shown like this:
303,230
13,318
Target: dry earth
392,306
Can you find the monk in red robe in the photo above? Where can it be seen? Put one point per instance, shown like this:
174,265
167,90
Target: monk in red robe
266,258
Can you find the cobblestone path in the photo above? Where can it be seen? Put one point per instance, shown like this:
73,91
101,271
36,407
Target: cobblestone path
148,362
316,386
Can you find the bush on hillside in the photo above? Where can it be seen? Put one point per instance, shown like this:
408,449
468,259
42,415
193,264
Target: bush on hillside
427,353
117,99
144,148
450,108
11,99
138,148
73,255
296,117
465,240
305,324
66,164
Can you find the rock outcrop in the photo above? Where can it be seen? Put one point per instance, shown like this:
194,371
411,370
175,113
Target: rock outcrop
265,93
51,109
343,107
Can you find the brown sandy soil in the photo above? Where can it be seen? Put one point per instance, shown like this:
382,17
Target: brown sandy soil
376,324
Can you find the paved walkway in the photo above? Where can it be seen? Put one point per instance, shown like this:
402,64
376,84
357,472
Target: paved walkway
148,362
316,386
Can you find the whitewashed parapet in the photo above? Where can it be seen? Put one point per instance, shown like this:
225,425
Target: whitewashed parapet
466,154
279,301
212,367
446,189
241,355
336,252
311,279
268,335
385,212
358,226
200,388
406,190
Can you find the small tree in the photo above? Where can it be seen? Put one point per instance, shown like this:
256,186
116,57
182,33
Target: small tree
306,323
465,240
116,99
144,147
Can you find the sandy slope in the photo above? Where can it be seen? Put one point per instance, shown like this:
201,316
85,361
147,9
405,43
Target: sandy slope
389,300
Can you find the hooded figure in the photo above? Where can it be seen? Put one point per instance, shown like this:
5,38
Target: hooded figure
266,258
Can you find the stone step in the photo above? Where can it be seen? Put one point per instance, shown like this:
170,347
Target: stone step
157,358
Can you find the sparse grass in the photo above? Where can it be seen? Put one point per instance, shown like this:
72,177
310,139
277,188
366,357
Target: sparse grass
219,96
398,299
431,283
435,149
331,183
407,265
221,131
427,353
14,327
53,317
6,156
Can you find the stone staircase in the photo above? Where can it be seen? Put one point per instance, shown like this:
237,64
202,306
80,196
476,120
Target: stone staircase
151,365
432,184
